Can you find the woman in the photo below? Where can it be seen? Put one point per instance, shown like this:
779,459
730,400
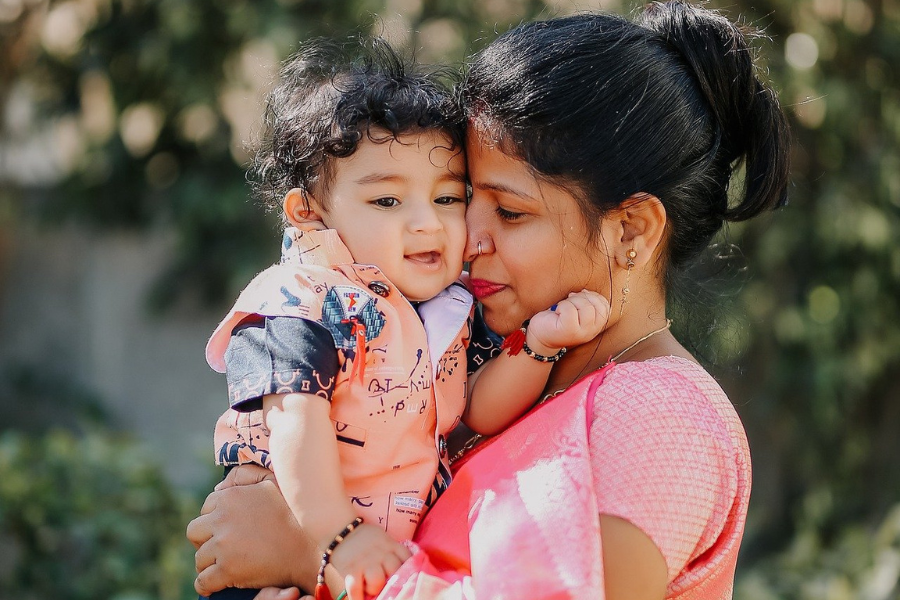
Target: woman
600,154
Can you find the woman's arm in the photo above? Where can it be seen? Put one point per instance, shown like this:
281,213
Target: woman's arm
633,567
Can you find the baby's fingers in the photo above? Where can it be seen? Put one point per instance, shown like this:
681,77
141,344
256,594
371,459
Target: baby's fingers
354,586
390,564
375,578
593,308
586,310
403,553
567,314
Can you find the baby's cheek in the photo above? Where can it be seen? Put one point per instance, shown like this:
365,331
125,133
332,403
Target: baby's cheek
458,238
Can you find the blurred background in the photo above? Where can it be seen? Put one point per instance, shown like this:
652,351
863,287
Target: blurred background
126,230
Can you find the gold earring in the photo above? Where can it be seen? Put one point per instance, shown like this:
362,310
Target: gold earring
629,262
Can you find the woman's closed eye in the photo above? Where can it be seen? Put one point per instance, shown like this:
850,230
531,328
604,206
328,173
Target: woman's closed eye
508,215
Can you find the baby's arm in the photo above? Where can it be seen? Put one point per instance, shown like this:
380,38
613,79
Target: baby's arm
307,467
507,386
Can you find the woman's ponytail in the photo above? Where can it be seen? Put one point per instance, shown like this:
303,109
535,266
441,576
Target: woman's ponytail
750,125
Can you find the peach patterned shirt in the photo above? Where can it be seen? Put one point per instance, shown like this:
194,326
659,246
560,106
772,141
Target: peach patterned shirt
391,415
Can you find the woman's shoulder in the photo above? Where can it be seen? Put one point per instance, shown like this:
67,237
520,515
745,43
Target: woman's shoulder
670,455
672,394
664,381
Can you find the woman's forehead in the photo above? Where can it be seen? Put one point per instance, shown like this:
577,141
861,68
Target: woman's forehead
495,171
492,168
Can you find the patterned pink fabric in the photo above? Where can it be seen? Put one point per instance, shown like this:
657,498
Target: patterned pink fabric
654,442
669,454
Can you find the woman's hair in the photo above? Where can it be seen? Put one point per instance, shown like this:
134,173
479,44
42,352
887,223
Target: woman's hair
329,95
669,106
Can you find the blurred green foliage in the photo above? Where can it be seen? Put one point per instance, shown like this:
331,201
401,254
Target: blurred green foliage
136,113
84,517
859,563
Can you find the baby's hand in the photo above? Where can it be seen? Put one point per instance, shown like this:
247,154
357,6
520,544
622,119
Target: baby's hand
366,559
576,320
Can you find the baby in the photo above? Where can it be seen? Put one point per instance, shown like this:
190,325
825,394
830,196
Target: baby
347,361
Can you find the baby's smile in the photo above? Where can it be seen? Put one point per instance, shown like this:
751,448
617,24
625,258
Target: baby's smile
430,260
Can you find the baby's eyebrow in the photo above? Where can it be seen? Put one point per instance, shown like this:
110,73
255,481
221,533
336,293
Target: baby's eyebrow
453,176
380,178
394,178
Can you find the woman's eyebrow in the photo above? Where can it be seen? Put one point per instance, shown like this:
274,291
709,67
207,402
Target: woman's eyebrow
504,189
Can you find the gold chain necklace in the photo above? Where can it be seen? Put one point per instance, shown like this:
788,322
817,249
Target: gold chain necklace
643,339
470,443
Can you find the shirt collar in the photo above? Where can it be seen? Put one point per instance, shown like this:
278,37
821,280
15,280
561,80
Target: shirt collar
323,247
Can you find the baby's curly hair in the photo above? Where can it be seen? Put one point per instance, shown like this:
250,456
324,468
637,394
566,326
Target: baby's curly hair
329,95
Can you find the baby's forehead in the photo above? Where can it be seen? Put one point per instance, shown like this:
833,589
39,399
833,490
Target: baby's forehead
432,150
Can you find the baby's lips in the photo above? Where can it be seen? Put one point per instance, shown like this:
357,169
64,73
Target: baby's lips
425,257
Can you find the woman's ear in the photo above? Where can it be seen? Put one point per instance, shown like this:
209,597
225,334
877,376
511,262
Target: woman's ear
642,221
300,208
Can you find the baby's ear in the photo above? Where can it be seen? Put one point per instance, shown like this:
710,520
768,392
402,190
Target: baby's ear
300,208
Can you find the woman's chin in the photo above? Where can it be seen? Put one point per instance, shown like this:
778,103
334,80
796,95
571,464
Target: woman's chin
498,320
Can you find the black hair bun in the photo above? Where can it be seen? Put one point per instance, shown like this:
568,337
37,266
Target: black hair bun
750,125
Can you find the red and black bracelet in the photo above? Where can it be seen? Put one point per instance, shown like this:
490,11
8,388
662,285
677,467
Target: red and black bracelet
515,343
322,591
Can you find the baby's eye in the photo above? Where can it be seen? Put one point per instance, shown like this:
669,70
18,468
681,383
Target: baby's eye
448,200
386,202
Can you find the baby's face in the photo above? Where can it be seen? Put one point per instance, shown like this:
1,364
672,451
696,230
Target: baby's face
401,206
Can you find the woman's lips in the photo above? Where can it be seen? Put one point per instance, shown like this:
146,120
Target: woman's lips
483,288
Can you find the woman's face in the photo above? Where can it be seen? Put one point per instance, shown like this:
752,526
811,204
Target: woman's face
534,239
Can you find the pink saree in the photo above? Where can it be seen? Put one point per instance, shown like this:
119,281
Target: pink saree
656,443
505,499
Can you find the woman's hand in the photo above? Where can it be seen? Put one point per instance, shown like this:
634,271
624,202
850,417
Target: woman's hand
238,548
245,475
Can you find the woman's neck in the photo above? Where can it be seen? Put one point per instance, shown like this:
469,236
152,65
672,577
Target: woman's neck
622,340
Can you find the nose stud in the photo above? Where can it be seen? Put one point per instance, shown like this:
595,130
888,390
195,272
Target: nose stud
479,248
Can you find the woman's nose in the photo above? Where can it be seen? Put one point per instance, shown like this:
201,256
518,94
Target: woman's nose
478,242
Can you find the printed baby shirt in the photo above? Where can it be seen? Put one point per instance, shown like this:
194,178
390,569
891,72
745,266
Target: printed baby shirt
397,386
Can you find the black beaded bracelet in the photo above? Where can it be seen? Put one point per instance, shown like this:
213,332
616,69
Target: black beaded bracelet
515,342
322,592
541,357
